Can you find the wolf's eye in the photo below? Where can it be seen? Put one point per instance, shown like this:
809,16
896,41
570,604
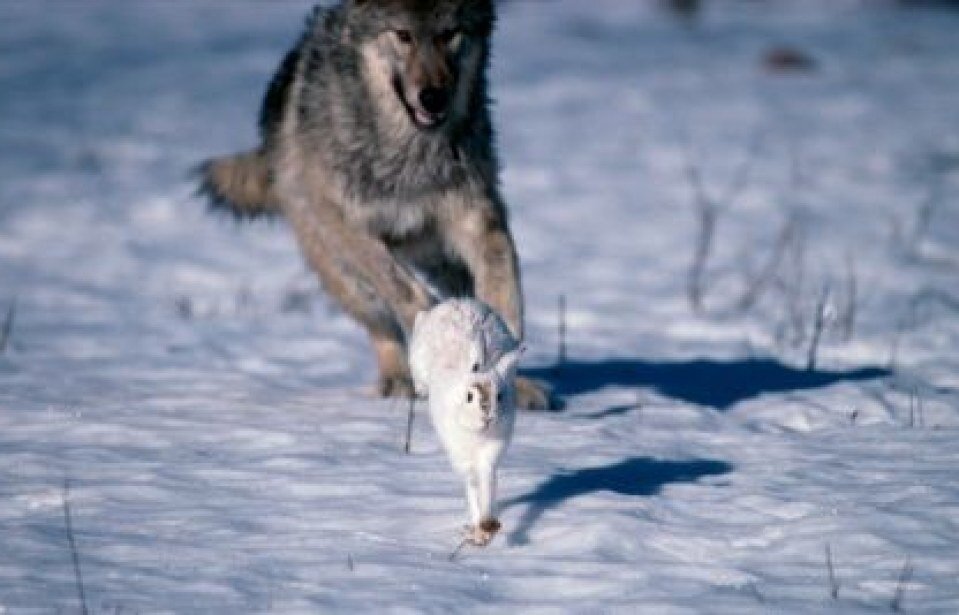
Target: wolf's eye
499,397
469,397
448,36
403,36
475,367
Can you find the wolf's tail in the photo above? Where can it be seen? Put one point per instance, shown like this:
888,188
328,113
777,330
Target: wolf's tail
240,184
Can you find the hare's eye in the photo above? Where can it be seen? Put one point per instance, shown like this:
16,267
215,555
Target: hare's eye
403,36
499,397
469,397
475,367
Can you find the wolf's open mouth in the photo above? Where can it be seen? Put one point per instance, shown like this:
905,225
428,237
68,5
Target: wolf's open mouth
421,118
424,119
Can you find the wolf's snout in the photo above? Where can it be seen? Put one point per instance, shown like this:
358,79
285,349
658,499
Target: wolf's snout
434,100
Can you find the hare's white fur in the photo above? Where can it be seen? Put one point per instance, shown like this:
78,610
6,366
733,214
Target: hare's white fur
464,359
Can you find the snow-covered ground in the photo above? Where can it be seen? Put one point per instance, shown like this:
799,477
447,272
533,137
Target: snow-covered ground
209,406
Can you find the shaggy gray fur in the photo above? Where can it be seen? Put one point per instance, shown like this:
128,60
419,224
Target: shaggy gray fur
375,169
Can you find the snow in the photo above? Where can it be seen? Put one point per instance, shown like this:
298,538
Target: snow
211,410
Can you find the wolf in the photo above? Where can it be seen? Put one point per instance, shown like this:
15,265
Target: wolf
376,144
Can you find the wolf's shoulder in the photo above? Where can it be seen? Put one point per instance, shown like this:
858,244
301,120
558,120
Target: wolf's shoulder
317,37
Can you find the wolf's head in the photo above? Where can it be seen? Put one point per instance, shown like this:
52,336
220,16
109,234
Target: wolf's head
424,58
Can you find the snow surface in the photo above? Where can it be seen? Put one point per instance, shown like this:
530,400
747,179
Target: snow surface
210,407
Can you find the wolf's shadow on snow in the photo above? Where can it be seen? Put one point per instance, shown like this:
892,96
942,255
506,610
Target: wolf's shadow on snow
706,382
637,476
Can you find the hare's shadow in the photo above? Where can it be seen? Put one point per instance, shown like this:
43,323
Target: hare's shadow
637,476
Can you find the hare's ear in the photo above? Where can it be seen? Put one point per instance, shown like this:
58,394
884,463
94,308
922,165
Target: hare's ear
507,364
418,320
477,355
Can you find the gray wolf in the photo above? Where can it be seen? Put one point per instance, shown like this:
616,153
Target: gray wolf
377,147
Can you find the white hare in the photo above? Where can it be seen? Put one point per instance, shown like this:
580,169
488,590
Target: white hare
464,359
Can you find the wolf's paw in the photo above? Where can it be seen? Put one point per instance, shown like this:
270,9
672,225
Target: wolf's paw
482,534
395,386
394,375
533,395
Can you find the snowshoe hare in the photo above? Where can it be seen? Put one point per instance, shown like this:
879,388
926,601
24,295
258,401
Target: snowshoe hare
463,358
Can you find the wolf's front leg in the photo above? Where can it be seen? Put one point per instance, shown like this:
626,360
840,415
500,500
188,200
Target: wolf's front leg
481,238
358,269
359,272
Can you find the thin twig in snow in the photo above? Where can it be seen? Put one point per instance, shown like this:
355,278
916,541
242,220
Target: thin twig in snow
924,215
754,590
458,548
847,317
561,354
920,411
904,576
912,410
831,570
794,287
409,425
74,553
707,217
819,323
916,418
757,284
7,327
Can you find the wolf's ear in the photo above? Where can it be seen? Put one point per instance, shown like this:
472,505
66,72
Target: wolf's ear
418,320
483,16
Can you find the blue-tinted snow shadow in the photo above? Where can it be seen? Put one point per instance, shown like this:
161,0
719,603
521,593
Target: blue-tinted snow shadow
637,476
717,384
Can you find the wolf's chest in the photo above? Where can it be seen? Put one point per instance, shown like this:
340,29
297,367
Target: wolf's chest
396,218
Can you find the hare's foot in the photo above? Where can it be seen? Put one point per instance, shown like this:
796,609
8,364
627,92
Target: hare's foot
482,534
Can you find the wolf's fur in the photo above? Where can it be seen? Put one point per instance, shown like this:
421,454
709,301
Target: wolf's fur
240,184
377,146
